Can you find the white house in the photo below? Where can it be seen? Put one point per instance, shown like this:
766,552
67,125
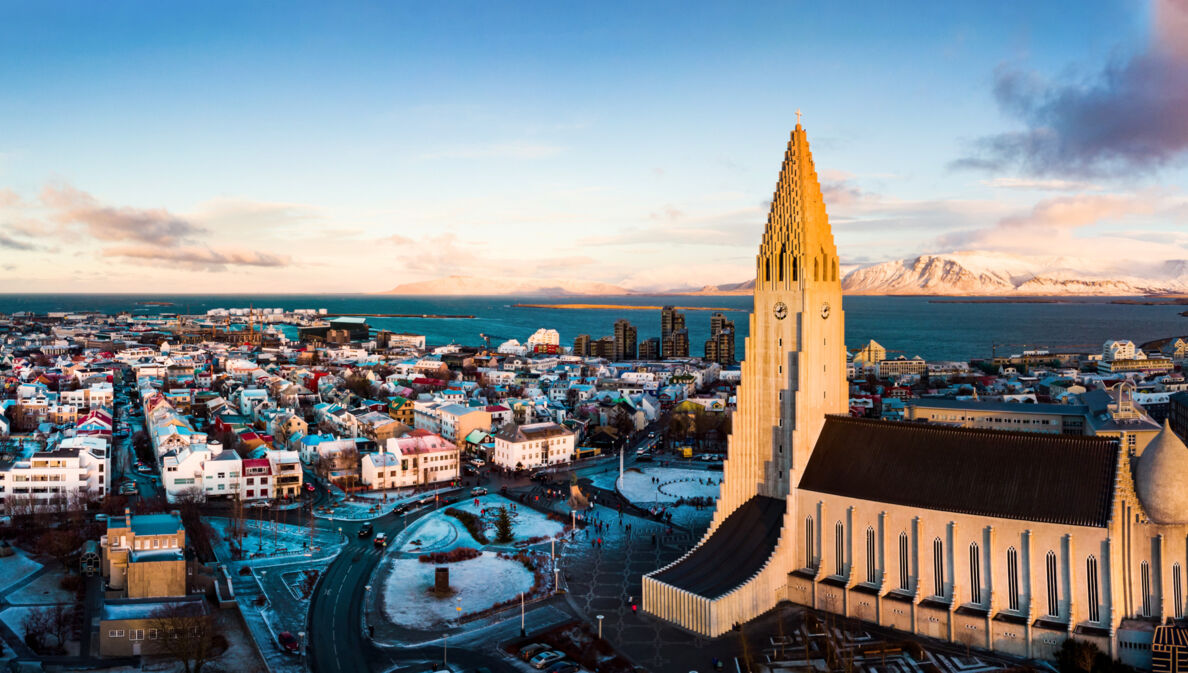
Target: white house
534,445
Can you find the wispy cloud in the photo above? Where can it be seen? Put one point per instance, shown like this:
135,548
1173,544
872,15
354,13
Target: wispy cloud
1129,117
11,243
198,258
68,205
1043,185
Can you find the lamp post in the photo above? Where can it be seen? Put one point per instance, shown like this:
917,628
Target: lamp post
367,606
600,627
445,650
301,643
522,631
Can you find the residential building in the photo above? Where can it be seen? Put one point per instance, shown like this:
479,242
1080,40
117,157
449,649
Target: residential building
534,445
68,476
625,341
416,460
581,345
143,555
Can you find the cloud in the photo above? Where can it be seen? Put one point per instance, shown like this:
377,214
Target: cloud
11,243
1129,117
9,199
198,258
1037,184
68,205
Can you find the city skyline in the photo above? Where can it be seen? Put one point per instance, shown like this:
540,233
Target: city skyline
198,150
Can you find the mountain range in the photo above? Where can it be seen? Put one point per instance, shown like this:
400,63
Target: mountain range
955,274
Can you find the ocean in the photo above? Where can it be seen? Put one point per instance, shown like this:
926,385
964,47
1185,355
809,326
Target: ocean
934,328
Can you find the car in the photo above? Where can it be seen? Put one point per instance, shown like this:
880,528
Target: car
257,504
644,458
539,476
143,469
128,488
469,469
478,490
528,651
288,641
381,540
641,451
477,462
651,435
545,658
564,666
309,487
101,517
366,530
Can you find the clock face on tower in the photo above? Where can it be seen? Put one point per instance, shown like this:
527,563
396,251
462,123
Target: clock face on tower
825,310
780,310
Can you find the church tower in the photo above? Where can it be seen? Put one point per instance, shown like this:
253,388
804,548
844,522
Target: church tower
793,375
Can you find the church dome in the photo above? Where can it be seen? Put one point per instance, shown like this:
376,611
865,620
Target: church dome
1161,478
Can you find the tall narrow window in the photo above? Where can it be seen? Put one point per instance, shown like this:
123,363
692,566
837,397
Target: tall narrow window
834,270
816,269
839,541
780,277
1013,578
1094,596
938,566
1177,587
903,561
870,556
794,269
1053,588
809,552
1145,572
975,574
767,270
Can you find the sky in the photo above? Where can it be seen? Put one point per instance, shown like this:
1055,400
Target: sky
351,147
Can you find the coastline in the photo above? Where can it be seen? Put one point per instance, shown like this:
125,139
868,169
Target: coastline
624,307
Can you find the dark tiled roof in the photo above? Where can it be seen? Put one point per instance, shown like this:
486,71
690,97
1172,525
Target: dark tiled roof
735,552
1013,407
1013,475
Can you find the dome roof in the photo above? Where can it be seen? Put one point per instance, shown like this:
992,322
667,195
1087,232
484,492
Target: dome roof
1161,478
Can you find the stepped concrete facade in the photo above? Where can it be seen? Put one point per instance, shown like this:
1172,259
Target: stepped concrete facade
793,375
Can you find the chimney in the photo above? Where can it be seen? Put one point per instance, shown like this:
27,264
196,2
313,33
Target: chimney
127,513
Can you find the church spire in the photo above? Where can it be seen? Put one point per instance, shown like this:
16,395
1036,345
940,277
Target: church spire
797,246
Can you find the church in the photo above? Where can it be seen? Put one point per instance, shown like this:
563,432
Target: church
1001,540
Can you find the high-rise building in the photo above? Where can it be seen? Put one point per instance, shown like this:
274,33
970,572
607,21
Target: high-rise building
581,345
625,338
793,375
674,337
649,349
603,348
720,346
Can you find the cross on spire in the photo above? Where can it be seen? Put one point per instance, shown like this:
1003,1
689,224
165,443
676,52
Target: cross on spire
798,116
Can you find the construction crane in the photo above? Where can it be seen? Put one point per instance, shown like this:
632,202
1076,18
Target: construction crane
487,338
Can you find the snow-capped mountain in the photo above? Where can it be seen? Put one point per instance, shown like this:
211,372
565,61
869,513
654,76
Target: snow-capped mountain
992,273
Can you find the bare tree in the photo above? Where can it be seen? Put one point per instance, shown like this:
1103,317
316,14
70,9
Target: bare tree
186,632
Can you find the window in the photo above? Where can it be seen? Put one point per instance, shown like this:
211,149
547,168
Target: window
839,541
115,633
136,634
975,574
870,555
938,566
1177,586
1013,578
809,551
903,561
1091,580
1145,571
1053,588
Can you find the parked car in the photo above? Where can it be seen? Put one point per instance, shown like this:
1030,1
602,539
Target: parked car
143,469
128,488
365,530
288,641
564,666
545,658
528,651
477,462
309,487
381,540
478,490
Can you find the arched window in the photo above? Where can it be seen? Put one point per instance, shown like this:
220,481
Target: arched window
839,541
870,555
903,561
1145,573
809,552
1053,587
975,574
1013,578
1092,593
1177,588
938,566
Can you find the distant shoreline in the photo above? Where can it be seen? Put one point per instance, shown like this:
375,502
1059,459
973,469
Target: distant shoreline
623,307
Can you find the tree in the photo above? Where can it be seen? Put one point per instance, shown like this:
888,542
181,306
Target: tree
186,632
503,526
38,627
61,544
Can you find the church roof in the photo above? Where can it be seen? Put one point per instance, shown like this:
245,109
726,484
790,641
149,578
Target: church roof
1029,476
1161,478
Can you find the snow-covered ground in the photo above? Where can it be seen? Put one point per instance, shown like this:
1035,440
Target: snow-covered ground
668,484
264,540
15,568
43,590
14,617
370,504
479,584
441,532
